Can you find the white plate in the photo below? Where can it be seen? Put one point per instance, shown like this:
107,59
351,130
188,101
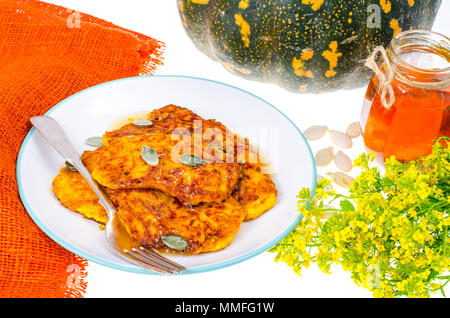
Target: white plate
91,112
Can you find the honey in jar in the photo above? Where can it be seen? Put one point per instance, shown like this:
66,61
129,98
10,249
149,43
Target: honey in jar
407,102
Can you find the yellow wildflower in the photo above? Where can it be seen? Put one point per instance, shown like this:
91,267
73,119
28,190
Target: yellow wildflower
392,231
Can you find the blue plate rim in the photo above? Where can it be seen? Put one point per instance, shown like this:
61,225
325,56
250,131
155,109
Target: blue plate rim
100,261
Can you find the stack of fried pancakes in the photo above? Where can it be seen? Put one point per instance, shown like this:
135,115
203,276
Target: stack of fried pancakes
204,204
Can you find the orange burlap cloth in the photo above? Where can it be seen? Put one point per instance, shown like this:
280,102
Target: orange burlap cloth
48,53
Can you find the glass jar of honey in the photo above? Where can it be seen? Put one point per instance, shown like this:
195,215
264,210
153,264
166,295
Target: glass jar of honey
407,102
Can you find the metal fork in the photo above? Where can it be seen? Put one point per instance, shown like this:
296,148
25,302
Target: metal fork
117,237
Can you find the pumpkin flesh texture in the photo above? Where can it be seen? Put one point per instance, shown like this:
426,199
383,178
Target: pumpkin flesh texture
301,45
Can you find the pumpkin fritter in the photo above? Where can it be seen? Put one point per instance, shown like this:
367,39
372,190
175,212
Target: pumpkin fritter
90,157
164,119
256,192
73,191
205,204
120,166
217,140
175,131
149,214
172,112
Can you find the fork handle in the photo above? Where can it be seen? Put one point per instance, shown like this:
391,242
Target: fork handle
55,136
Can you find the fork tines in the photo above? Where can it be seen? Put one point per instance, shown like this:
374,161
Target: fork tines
154,261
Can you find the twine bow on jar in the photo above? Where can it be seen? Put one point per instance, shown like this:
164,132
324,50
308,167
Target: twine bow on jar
385,78
385,71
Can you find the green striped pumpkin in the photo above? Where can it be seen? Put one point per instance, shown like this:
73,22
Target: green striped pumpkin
301,45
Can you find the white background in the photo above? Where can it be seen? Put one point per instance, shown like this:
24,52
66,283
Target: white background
259,276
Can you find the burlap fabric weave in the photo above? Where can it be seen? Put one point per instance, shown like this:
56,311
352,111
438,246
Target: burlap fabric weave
48,53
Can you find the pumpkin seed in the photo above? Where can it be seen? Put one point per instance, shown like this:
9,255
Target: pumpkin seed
213,144
324,156
174,241
192,160
189,206
341,179
315,132
340,139
342,161
149,155
94,141
354,130
142,122
70,166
